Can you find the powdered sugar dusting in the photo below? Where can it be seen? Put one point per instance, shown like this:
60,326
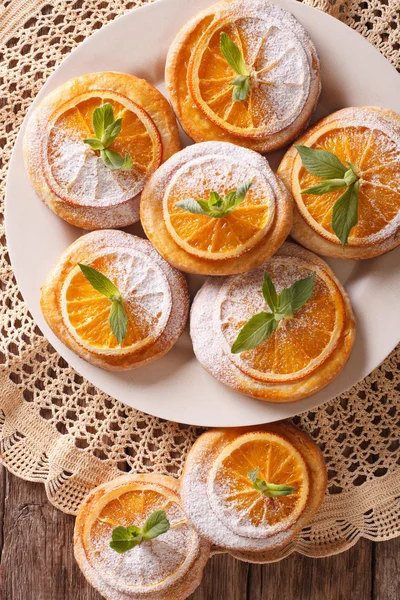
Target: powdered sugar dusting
82,177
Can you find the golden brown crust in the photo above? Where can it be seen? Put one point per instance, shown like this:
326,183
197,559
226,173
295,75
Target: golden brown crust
200,461
177,590
135,90
302,232
81,250
214,360
151,215
193,121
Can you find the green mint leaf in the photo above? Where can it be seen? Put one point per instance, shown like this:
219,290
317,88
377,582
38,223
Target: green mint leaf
242,190
94,143
156,525
321,163
345,213
215,200
294,297
256,330
274,490
271,490
118,320
125,538
114,161
283,306
127,164
329,185
350,176
111,132
102,118
193,206
233,55
240,92
269,293
100,282
230,201
253,475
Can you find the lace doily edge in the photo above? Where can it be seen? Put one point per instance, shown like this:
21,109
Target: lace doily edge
69,473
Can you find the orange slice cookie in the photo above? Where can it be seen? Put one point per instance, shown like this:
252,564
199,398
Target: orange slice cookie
369,138
154,297
305,351
70,176
234,242
165,567
251,490
279,67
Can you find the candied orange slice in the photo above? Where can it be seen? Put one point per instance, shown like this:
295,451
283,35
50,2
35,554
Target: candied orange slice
146,296
223,237
300,344
242,508
376,156
157,562
76,172
279,76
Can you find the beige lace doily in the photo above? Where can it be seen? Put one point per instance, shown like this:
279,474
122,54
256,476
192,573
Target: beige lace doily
56,428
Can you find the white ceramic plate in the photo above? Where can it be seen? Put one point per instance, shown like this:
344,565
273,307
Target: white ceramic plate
176,387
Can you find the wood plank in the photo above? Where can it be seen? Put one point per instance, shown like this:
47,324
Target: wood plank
386,580
341,577
37,561
225,578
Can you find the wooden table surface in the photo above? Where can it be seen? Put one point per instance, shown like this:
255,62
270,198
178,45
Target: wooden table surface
37,563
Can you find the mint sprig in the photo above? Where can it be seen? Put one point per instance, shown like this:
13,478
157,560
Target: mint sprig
126,538
107,129
216,206
233,56
118,319
283,306
271,490
335,176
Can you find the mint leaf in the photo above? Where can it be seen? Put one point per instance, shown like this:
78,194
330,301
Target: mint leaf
283,306
256,330
216,206
345,213
126,538
294,297
100,282
269,293
241,90
329,185
215,199
113,160
325,164
106,130
111,132
94,143
233,56
118,320
191,205
102,118
321,163
156,525
271,490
